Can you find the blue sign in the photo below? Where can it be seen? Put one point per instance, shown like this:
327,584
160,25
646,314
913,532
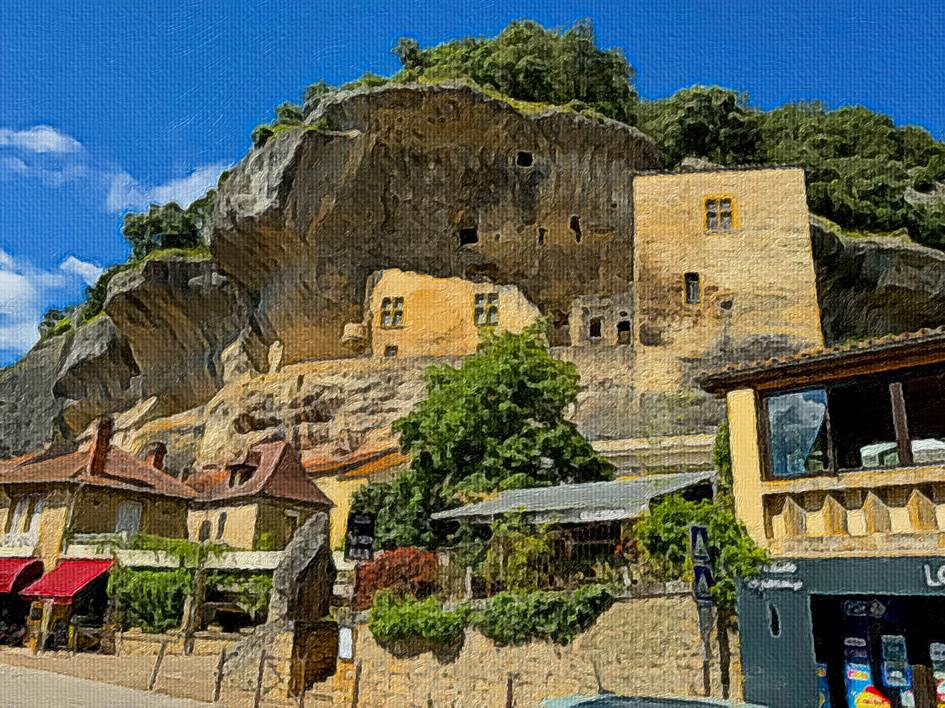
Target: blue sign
702,582
699,544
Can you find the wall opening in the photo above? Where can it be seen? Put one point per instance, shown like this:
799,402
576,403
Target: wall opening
524,158
468,236
693,288
542,232
390,351
594,328
575,226
624,332
774,620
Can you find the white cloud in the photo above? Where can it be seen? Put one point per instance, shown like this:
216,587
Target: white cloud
27,291
127,193
89,272
39,138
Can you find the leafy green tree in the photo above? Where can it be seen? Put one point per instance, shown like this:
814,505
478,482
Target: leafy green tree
664,536
519,555
722,458
707,122
495,422
529,62
167,226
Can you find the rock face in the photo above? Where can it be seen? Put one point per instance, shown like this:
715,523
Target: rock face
869,287
411,174
214,355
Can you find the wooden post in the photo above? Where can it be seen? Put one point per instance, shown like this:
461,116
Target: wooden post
304,680
218,684
157,666
357,684
257,698
509,693
44,627
194,615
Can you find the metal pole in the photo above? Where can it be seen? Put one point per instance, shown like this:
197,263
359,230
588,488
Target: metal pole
257,698
218,685
157,666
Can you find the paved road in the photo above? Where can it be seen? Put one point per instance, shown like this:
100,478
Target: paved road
29,688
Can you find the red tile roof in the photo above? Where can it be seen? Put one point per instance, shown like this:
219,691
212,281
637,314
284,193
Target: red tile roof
893,349
361,464
121,470
275,471
67,580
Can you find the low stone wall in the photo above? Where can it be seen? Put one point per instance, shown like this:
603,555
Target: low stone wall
136,643
641,646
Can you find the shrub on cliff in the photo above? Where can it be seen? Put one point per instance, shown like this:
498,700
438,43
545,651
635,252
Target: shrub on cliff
497,420
402,571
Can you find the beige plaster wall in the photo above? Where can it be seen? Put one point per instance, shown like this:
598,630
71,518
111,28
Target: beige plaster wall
239,530
439,314
757,278
647,646
96,511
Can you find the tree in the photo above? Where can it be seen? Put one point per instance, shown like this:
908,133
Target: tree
495,422
167,226
664,536
707,122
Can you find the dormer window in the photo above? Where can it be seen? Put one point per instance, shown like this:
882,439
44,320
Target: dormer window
719,213
392,312
240,475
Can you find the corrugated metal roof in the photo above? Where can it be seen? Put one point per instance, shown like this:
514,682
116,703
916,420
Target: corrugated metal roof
574,503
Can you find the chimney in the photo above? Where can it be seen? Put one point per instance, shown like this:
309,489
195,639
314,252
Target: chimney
101,438
157,451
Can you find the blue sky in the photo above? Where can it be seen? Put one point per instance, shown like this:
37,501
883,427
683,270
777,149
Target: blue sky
106,106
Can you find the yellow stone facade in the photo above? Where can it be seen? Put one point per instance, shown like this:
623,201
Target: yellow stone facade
754,277
245,523
429,316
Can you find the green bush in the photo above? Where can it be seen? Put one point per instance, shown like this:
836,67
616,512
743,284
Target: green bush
152,600
516,618
519,555
248,590
408,620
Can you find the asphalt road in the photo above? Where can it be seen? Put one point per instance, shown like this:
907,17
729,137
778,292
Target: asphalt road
29,688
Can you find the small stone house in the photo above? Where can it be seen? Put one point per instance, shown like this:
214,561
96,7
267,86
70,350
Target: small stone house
52,496
255,502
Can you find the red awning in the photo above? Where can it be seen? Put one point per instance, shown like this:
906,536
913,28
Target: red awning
68,578
17,572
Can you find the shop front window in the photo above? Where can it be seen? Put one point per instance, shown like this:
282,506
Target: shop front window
924,394
798,425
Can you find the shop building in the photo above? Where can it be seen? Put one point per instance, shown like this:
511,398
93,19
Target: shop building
839,472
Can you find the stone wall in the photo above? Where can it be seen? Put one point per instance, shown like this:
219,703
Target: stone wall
641,646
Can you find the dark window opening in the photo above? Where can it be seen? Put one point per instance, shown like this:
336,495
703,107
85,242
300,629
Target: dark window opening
390,351
542,232
871,423
693,289
392,312
594,328
221,525
524,159
575,226
624,332
204,533
774,621
719,214
726,304
486,309
468,237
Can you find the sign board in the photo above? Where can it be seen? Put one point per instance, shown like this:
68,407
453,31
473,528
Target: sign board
702,582
699,544
359,541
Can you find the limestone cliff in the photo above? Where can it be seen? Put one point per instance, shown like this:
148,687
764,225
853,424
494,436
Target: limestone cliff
213,354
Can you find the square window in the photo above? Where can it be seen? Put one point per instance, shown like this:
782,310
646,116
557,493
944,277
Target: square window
594,328
693,285
719,214
392,312
390,351
487,309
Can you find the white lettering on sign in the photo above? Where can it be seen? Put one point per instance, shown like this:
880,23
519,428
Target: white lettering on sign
774,584
934,579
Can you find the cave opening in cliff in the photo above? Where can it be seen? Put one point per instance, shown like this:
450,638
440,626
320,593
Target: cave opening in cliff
575,226
594,328
542,232
524,159
624,332
468,236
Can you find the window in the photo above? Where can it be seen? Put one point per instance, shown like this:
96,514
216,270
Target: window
923,393
594,328
693,285
862,427
392,312
719,213
390,351
469,236
204,533
524,159
798,433
292,521
221,525
575,226
542,232
624,332
128,518
487,309
17,520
